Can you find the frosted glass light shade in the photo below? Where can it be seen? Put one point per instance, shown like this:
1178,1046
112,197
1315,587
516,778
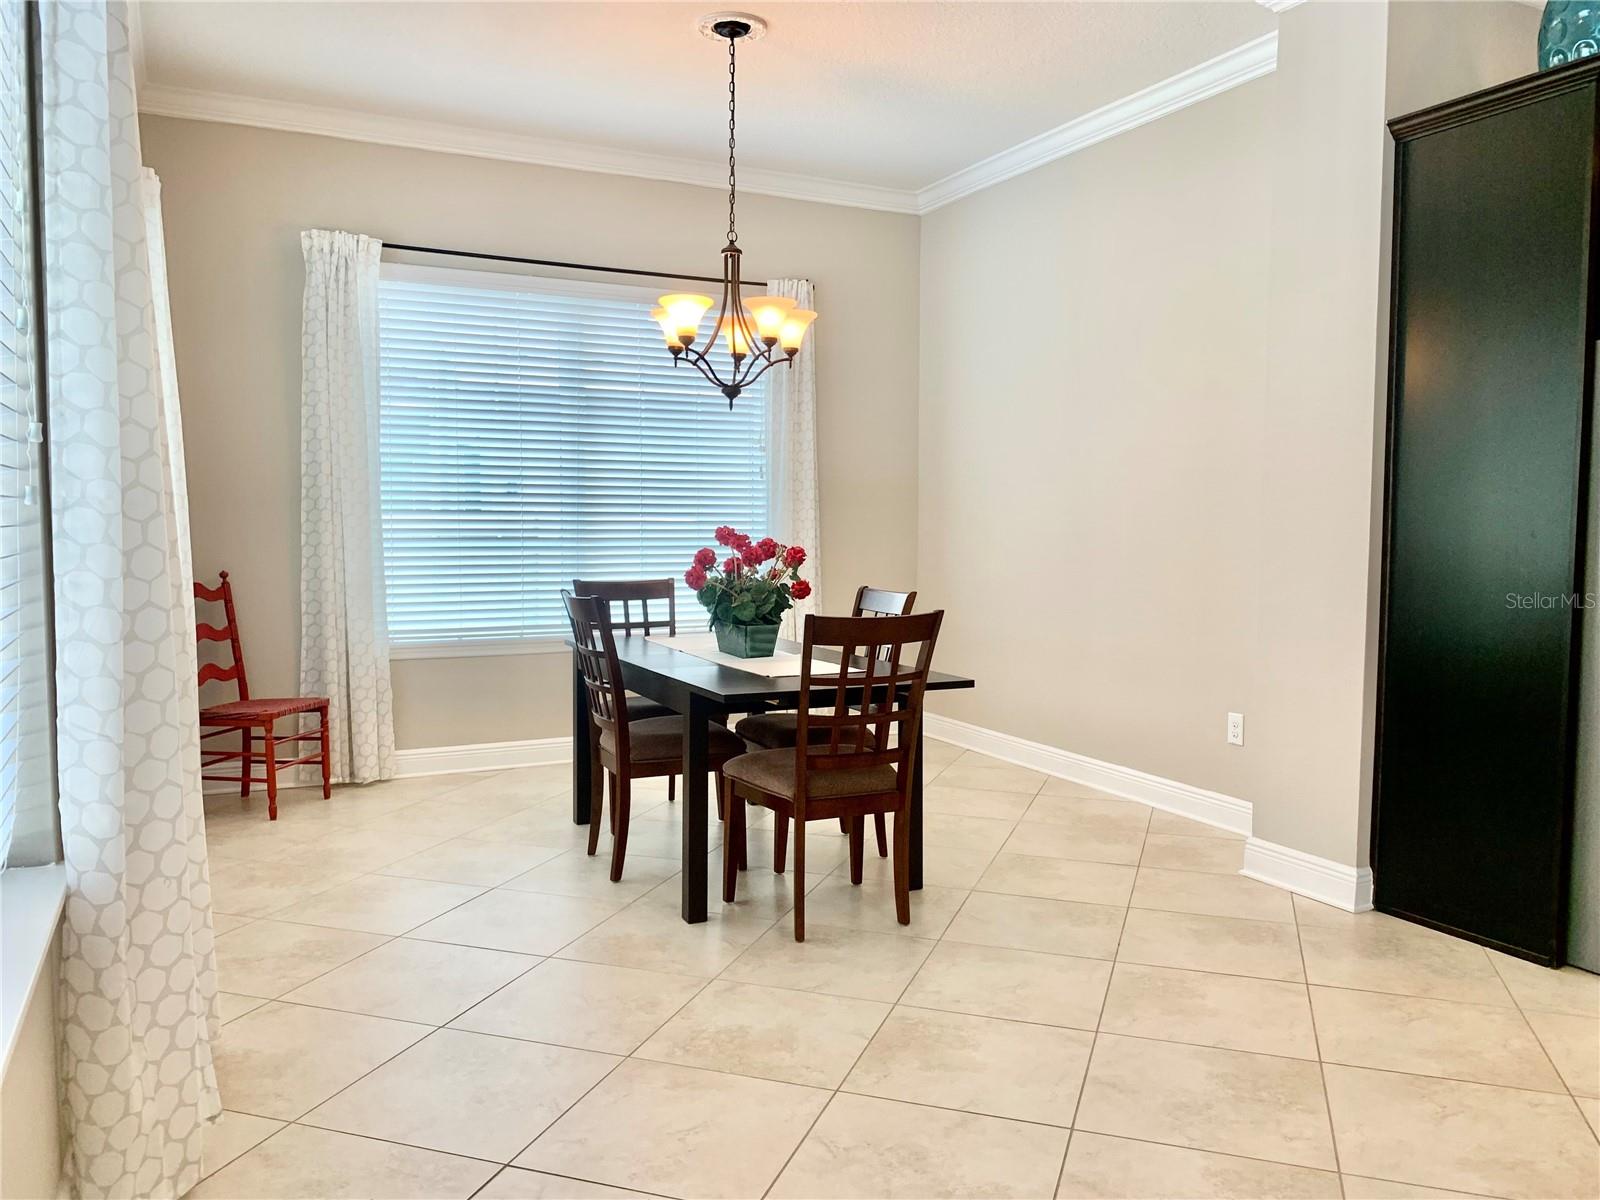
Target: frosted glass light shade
737,342
769,313
669,329
685,310
795,324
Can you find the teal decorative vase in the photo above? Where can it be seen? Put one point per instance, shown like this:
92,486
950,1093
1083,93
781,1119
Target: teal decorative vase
1569,30
747,641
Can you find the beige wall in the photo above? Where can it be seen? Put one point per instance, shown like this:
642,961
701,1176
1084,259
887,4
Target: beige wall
1090,440
30,1145
235,200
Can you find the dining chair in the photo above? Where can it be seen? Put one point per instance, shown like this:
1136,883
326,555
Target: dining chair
630,748
776,730
253,720
848,768
626,594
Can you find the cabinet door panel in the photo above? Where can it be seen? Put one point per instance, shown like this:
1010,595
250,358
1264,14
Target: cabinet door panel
1489,377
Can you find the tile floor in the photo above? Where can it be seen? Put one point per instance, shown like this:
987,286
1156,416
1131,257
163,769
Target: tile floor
432,992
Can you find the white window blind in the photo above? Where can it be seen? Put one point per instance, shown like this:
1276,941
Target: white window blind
533,432
27,796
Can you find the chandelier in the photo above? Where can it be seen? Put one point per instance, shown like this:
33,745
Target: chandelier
757,333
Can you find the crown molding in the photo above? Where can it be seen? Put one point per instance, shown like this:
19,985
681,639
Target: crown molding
1240,65
1279,6
292,117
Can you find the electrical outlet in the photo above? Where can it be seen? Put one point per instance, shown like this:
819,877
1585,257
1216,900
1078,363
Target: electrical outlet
1235,729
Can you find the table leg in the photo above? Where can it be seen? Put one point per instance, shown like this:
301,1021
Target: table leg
916,814
586,775
695,850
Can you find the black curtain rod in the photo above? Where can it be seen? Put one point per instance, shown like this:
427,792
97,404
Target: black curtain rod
550,262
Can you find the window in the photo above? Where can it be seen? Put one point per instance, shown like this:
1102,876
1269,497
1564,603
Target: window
534,431
27,789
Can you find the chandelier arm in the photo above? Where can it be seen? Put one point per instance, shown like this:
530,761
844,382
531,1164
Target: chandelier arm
770,361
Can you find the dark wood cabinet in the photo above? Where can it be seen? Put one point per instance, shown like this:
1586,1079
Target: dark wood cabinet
1490,403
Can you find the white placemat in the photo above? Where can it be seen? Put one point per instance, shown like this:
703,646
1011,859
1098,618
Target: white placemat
782,664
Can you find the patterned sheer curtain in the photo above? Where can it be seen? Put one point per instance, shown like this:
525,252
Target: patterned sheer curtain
794,515
138,1005
344,632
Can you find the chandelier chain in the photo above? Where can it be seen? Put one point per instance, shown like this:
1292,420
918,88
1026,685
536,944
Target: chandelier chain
733,234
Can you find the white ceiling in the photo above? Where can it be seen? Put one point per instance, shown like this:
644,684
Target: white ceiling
892,95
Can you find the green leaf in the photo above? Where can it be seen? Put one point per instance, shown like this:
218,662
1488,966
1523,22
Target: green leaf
744,612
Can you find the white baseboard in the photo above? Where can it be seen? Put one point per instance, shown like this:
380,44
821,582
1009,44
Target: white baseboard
482,756
1349,888
1198,804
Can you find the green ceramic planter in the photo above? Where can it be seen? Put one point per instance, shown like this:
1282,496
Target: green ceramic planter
747,641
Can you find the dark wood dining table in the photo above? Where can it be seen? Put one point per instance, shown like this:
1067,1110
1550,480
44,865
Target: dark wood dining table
705,691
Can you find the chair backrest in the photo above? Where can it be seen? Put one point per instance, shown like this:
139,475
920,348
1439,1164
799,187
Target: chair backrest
876,602
228,632
871,654
596,649
635,592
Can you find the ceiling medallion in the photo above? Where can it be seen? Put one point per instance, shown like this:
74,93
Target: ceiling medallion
757,333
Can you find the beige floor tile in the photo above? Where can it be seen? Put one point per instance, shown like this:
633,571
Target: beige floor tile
865,1148
1089,812
520,922
254,838
1027,923
379,904
299,1163
1166,822
746,1029
514,1183
1264,1016
1464,1136
462,860
222,922
284,1059
1573,1044
1568,990
1217,856
679,1131
591,1006
254,889
989,775
870,906
762,895
974,802
1314,912
1253,1105
942,866
976,1064
409,980
1589,1106
576,874
270,957
465,1093
431,819
538,827
1056,786
1265,949
231,1135
1059,879
232,1005
659,839
1018,985
1477,1042
364,849
1111,1168
963,833
653,937
1211,895
1379,954
1086,843
839,962
938,753
536,783
1357,1187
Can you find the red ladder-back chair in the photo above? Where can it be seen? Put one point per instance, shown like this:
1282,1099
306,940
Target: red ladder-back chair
252,720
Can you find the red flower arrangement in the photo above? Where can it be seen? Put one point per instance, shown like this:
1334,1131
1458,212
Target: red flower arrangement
744,590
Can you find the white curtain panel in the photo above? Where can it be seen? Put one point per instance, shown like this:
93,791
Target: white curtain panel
137,999
344,633
794,515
